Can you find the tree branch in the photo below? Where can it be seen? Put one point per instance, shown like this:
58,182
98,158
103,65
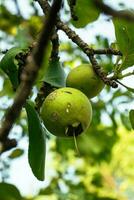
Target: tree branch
84,46
7,145
30,72
55,45
110,11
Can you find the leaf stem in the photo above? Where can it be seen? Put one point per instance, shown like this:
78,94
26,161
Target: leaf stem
128,88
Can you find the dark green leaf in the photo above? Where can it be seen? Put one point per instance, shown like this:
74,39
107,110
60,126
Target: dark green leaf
16,153
63,145
9,65
97,179
55,74
44,66
9,192
125,39
125,121
86,13
131,117
37,146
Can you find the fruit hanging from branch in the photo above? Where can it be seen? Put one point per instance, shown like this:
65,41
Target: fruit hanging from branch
66,112
86,80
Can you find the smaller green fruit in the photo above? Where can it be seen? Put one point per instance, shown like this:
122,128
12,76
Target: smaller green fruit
86,80
66,112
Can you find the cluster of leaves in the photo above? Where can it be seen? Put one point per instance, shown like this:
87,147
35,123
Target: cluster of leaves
94,170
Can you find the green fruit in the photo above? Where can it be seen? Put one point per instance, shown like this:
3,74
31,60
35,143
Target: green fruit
66,112
86,80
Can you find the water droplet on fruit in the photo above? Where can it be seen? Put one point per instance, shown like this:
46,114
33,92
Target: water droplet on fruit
68,107
67,110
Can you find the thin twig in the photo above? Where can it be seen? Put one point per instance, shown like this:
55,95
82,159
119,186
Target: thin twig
128,88
45,7
101,73
17,7
30,73
117,76
107,51
127,74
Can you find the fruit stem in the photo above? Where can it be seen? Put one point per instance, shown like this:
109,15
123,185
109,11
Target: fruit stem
76,145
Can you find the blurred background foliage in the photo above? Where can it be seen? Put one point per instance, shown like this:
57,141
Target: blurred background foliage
103,169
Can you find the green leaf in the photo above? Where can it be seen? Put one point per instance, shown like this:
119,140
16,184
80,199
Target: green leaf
63,145
9,192
125,39
55,74
44,66
131,117
22,37
16,153
9,65
86,13
7,88
125,121
37,145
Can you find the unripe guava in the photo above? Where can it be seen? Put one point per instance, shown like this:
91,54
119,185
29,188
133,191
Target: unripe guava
86,80
66,112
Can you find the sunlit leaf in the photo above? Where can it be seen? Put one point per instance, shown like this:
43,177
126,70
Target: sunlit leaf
35,24
55,74
37,146
22,37
86,13
16,153
125,40
7,87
